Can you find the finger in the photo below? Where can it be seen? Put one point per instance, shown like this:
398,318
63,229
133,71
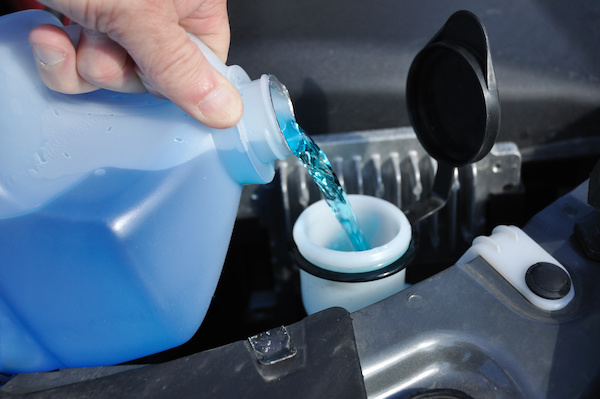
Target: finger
174,66
56,60
106,64
209,22
147,84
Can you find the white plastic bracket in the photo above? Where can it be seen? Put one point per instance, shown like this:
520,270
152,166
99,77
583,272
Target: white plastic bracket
511,252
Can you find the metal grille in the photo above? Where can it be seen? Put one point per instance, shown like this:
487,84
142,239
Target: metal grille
391,164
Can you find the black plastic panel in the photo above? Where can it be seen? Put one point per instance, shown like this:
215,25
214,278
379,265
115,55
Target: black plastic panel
325,365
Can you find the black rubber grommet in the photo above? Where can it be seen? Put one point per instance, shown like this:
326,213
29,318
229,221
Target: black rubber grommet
386,271
548,280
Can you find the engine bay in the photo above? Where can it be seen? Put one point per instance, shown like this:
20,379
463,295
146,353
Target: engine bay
460,330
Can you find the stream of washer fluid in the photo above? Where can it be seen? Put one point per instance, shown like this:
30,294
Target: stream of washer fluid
319,167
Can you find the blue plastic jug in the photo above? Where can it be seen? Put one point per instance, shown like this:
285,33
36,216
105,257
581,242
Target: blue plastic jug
116,210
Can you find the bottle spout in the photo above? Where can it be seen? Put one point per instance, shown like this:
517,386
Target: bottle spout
282,105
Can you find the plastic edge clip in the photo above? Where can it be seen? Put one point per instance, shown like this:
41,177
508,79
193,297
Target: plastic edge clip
532,271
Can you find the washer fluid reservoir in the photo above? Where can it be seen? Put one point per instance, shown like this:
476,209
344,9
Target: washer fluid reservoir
116,211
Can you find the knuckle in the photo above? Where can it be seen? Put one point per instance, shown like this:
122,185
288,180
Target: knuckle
95,73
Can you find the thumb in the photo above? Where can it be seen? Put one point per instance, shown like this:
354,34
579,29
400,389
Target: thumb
171,64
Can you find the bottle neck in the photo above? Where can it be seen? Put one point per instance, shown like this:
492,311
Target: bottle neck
266,105
267,109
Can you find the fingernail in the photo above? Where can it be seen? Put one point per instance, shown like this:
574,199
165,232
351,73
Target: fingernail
48,56
222,104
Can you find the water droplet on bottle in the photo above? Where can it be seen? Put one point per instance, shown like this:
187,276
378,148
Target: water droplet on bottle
67,155
56,113
109,129
40,157
99,172
178,139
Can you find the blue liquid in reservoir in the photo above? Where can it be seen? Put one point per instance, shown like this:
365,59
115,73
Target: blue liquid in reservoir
318,166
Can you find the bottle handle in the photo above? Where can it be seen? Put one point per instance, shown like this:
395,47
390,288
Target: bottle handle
234,73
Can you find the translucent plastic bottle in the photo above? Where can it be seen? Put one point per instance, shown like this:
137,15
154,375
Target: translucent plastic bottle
116,211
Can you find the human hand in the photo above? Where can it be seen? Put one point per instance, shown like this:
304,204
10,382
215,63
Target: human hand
138,45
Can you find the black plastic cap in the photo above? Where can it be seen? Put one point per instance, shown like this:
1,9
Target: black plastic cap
452,95
548,280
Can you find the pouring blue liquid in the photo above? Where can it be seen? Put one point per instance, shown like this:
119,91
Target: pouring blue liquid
116,211
319,167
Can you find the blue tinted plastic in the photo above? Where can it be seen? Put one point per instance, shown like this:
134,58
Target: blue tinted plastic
115,215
